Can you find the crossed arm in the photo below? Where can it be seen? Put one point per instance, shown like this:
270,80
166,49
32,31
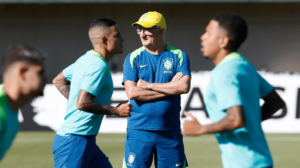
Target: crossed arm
235,117
144,91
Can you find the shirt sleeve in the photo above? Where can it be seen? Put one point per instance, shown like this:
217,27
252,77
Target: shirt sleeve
68,72
264,87
184,65
94,78
130,71
228,89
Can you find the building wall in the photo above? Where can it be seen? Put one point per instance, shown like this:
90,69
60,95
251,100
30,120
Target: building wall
61,30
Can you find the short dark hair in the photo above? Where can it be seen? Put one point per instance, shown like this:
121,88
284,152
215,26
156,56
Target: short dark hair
102,22
236,27
22,52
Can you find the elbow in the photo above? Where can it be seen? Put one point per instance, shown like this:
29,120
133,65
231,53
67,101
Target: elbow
239,125
237,122
130,94
185,89
80,106
282,104
54,80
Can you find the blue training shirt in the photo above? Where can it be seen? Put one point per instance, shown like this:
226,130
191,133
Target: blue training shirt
235,82
160,114
90,73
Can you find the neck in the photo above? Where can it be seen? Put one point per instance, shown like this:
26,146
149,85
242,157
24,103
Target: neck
157,48
14,95
104,53
220,56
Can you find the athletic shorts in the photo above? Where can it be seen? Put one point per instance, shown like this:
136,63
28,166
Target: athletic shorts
76,151
166,147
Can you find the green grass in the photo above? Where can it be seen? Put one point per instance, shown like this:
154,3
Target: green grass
34,150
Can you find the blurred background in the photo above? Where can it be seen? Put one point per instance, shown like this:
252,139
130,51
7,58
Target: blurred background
60,29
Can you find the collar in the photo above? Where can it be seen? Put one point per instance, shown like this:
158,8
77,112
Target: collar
97,55
229,57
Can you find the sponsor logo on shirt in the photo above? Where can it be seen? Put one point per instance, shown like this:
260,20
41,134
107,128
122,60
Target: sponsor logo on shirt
178,164
141,66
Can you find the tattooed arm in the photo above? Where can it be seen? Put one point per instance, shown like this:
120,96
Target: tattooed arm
86,103
235,119
62,84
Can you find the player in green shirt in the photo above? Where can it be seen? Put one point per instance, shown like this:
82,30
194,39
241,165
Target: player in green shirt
23,80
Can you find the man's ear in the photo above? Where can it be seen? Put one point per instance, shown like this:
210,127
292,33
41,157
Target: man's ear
161,31
103,41
22,69
224,42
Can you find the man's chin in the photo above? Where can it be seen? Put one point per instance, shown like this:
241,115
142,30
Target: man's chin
207,58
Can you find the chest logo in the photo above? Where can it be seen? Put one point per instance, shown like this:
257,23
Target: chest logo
168,63
131,158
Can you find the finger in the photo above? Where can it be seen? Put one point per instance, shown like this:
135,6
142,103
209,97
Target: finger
123,102
188,114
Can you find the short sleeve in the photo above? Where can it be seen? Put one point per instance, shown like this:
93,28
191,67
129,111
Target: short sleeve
130,71
264,87
184,64
227,88
68,72
94,78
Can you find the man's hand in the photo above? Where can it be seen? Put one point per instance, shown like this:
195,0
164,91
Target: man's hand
177,77
143,84
124,109
191,127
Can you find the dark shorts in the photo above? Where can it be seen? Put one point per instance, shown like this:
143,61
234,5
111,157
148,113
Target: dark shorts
76,151
166,147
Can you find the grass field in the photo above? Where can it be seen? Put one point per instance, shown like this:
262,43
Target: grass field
34,150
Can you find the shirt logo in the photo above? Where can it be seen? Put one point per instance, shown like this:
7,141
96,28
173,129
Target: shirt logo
131,158
141,66
168,63
178,164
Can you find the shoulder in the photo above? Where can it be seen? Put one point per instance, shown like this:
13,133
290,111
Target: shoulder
178,52
133,55
234,70
136,53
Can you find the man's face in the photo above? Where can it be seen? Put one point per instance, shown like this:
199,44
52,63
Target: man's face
35,79
115,40
210,40
149,36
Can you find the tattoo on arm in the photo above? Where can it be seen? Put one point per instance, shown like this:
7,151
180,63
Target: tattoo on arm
85,102
62,84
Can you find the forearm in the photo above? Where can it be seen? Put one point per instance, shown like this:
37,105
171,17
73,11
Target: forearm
219,127
268,109
92,106
234,119
63,85
273,103
141,94
171,88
